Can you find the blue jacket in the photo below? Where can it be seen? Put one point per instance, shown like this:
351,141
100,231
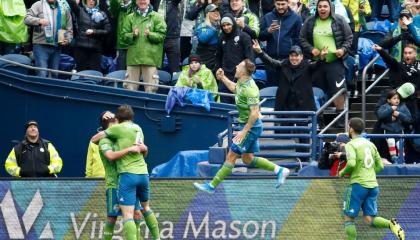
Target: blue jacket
207,35
279,42
385,115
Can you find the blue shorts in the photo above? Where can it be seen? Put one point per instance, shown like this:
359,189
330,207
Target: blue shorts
112,206
133,186
250,143
357,197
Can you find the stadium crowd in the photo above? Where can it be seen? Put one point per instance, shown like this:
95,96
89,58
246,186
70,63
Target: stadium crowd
195,38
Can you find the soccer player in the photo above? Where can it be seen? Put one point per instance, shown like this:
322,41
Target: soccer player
108,154
363,162
245,143
132,170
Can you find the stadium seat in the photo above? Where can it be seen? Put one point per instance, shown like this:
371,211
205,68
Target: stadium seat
165,78
175,77
270,94
185,62
260,78
319,97
374,35
120,74
259,63
87,79
67,64
16,58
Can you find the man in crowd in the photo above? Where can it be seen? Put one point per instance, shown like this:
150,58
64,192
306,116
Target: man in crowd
280,28
34,156
245,143
327,30
52,28
245,19
144,32
363,163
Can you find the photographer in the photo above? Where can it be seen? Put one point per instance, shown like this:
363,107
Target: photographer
333,155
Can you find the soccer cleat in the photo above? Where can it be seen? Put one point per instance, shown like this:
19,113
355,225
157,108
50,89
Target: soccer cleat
204,187
281,176
397,229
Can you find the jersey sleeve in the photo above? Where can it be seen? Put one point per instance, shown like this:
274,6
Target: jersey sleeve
105,145
252,97
351,160
113,131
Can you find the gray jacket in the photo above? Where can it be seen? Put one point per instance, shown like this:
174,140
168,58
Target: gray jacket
34,14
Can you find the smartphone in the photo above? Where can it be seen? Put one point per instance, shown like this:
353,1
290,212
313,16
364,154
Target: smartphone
275,22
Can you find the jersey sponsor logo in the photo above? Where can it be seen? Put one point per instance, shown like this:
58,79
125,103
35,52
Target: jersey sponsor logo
11,218
339,84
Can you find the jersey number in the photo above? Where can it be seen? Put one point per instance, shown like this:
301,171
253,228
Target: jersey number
368,158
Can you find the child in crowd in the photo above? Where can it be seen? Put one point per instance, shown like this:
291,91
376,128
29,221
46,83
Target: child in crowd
395,116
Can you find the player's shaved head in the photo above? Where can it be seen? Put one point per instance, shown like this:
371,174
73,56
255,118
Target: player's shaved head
124,113
357,125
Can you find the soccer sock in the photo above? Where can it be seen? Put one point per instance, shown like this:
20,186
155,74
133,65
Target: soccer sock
350,230
224,171
109,231
129,229
380,222
265,164
152,224
138,232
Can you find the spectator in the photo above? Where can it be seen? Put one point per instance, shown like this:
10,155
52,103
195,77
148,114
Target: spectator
52,28
280,28
208,36
333,156
234,47
93,27
400,36
120,10
394,116
299,8
172,41
326,29
245,19
187,29
13,29
145,32
197,75
393,7
34,156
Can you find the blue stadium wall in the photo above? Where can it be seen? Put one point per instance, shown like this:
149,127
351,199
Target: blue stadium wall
68,114
240,209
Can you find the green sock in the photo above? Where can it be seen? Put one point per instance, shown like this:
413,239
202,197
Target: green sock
138,232
224,171
152,224
380,222
129,229
263,163
350,230
109,231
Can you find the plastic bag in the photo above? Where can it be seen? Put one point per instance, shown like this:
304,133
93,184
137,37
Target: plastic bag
199,97
365,51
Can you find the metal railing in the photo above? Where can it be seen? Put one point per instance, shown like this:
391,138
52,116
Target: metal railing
364,90
116,80
344,112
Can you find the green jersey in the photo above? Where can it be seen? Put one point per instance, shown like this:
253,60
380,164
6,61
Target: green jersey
111,174
323,37
247,95
363,162
125,135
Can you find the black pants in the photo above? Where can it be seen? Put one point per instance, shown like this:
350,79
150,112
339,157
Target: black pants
87,59
172,50
185,47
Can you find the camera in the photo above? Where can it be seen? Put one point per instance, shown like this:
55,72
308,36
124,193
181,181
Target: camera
334,147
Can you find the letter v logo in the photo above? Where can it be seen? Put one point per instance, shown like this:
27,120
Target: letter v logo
12,221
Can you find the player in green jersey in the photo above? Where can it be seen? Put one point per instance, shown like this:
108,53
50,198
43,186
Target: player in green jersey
363,162
132,170
108,153
245,143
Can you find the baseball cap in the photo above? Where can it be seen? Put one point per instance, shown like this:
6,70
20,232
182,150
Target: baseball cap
30,123
295,49
342,138
406,90
405,13
210,8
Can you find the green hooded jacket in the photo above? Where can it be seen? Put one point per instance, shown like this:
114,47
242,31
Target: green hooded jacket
12,26
203,77
144,50
120,12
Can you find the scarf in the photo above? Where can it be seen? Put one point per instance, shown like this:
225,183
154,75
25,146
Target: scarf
142,13
95,14
396,50
51,29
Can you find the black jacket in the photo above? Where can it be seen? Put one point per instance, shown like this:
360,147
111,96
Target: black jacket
84,22
233,48
33,158
342,34
294,92
173,18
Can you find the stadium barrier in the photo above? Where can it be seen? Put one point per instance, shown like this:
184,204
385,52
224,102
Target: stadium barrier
242,208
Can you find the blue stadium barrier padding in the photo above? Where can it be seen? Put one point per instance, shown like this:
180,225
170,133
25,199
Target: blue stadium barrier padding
120,74
16,58
183,164
391,170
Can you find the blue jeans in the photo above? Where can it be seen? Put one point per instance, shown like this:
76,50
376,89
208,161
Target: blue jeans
46,56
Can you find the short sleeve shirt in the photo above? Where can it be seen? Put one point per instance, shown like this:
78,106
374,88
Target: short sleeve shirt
247,95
